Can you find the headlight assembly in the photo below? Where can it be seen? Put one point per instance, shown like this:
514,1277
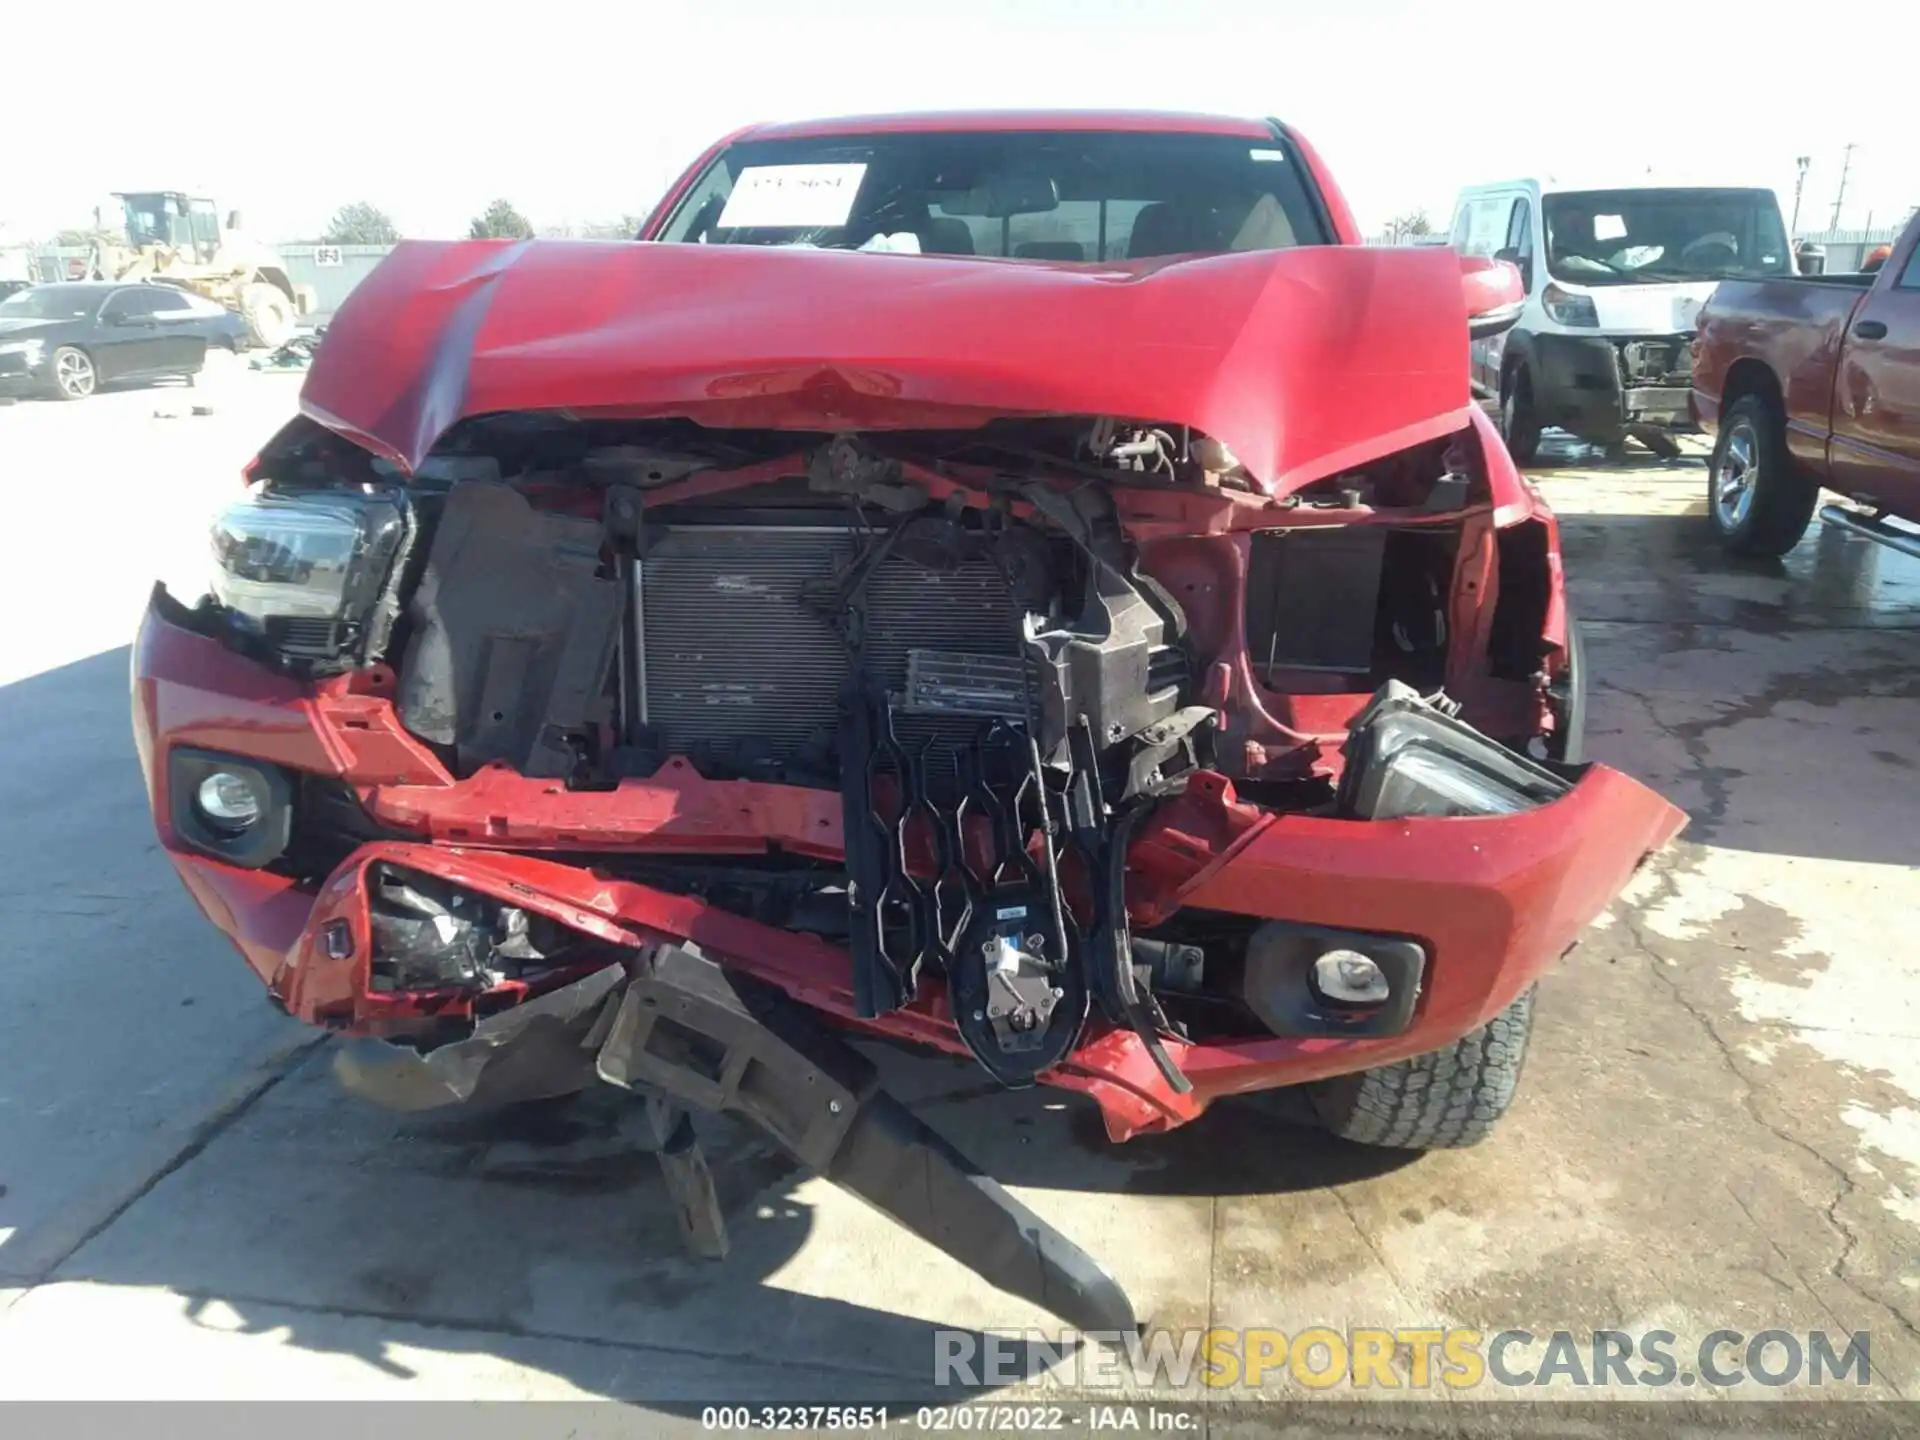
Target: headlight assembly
1407,757
1569,307
310,570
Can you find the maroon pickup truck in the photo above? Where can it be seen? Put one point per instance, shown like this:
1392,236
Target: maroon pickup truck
1812,382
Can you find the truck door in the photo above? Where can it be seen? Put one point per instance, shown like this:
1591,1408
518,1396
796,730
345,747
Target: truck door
1517,248
1480,229
1876,422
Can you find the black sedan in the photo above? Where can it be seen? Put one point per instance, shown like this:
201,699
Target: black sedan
64,341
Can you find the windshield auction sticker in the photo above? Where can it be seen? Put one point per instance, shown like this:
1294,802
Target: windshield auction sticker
792,196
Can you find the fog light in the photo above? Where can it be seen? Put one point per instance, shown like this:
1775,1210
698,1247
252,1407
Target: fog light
238,810
1347,977
229,801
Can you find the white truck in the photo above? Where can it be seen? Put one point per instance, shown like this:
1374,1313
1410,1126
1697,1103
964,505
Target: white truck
1615,279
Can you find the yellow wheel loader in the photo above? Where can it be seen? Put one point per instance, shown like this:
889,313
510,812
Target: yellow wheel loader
177,239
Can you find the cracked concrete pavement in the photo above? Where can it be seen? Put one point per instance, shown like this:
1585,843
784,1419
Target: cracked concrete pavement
1719,1126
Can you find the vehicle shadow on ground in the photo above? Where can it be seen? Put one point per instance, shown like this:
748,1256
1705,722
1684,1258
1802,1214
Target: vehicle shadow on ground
543,1238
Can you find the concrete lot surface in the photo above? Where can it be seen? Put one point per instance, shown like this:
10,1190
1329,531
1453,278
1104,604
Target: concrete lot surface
1719,1126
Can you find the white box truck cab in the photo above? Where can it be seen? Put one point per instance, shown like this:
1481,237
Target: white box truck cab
1615,278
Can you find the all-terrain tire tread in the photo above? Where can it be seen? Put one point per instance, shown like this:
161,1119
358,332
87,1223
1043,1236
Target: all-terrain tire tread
1445,1100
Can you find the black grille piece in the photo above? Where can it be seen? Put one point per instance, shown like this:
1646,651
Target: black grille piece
306,637
964,877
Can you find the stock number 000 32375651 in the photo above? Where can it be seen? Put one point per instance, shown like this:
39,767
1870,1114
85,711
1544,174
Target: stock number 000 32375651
933,1418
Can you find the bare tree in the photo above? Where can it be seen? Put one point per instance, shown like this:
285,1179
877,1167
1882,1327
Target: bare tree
1409,226
624,228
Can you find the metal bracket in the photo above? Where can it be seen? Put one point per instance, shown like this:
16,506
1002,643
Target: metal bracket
683,1164
704,1036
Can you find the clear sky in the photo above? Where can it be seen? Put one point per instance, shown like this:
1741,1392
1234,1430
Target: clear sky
579,110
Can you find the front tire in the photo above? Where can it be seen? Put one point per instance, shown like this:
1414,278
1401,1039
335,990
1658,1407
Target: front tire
1446,1100
268,313
74,377
1758,503
1519,422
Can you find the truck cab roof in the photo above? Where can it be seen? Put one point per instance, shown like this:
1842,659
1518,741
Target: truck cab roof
1014,121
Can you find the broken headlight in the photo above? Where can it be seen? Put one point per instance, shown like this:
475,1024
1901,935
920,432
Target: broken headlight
1407,756
309,571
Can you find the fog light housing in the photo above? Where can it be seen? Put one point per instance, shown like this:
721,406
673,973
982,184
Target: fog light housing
229,801
1300,979
239,811
1346,977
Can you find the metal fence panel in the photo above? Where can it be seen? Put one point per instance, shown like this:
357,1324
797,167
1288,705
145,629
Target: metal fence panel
332,270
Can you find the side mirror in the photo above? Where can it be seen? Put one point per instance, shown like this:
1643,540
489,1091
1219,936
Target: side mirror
233,220
1522,263
1494,295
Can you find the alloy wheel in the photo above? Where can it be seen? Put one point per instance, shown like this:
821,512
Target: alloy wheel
73,372
1735,476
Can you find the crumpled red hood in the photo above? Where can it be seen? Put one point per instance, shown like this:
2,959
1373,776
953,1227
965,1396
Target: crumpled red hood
1303,362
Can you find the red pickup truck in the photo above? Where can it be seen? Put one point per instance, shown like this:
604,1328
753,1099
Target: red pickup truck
1811,382
985,581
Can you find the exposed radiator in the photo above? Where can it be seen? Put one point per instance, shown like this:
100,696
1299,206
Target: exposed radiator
733,653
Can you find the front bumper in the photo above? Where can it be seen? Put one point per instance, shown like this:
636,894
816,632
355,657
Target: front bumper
1493,900
1583,384
20,377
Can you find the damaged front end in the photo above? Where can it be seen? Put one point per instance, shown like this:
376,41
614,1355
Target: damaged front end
586,747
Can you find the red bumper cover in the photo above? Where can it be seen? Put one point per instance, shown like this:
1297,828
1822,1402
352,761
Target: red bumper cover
1493,900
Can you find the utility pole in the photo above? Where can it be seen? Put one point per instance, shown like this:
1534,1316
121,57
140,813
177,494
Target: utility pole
1802,163
1846,164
